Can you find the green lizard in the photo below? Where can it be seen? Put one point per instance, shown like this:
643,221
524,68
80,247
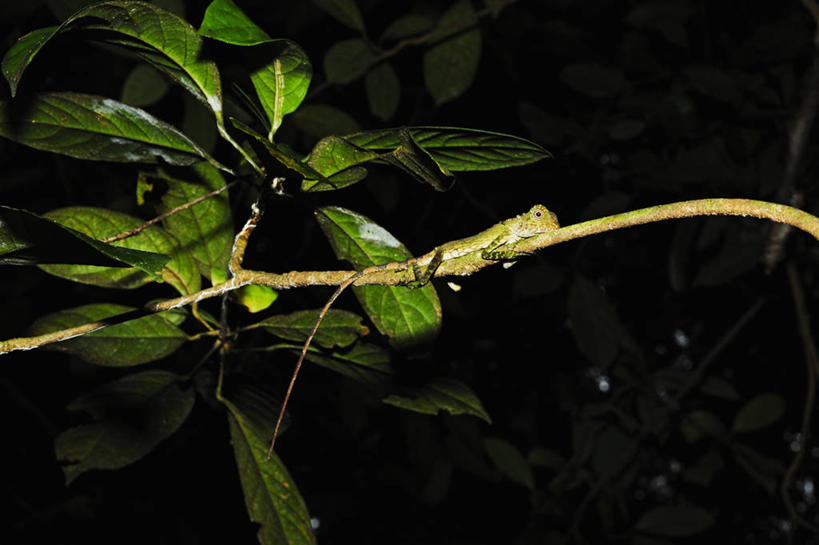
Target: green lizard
498,243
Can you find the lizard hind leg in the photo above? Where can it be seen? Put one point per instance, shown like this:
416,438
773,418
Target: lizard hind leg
422,278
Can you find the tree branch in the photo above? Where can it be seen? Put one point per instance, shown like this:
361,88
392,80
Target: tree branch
460,266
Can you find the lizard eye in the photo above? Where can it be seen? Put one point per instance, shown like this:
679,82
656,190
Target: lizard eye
538,214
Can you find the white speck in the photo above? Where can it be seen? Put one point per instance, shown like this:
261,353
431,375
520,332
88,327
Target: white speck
603,383
681,338
454,287
315,523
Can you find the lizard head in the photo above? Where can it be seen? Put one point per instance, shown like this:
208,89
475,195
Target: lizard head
537,220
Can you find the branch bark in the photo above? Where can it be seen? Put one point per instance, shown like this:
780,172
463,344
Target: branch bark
461,266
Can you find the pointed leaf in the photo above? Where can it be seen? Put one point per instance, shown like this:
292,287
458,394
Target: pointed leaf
19,56
509,461
383,91
151,33
365,363
760,412
457,149
271,496
204,229
596,328
339,328
225,22
415,161
131,343
320,120
282,84
26,239
406,316
132,415
406,26
100,223
675,521
96,128
143,86
451,65
347,60
339,162
344,11
441,394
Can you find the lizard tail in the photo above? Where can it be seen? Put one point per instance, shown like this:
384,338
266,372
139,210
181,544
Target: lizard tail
321,315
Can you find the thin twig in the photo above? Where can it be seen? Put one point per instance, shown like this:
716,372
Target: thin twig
812,365
433,36
802,123
461,266
180,208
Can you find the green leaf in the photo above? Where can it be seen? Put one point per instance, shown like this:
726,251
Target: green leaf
674,521
143,86
408,26
344,11
339,328
701,424
593,79
320,120
720,388
225,22
760,412
509,461
131,416
383,91
407,316
415,161
282,84
204,229
612,452
96,128
365,363
442,394
338,162
282,153
451,65
136,342
456,149
19,56
271,497
159,37
100,223
596,328
765,470
256,298
347,60
26,239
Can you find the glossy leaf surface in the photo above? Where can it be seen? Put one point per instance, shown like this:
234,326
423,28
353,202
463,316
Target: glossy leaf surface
100,223
131,343
339,328
406,316
271,497
96,128
457,149
27,239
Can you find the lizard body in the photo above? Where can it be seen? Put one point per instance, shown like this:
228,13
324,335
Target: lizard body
497,243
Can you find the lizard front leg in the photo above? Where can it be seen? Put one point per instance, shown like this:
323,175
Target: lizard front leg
493,251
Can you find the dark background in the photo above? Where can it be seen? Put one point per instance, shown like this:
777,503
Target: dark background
704,101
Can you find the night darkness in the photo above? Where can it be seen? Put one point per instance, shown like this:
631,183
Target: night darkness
645,386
